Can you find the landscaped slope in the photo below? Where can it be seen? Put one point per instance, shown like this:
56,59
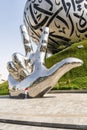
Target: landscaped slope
76,78
4,88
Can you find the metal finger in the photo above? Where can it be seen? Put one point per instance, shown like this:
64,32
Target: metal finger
13,70
26,40
18,60
42,48
22,64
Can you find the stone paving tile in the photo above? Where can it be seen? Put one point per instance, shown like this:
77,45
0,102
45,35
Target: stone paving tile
53,108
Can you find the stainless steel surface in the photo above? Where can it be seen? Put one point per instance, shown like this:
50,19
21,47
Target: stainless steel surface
43,79
66,19
37,80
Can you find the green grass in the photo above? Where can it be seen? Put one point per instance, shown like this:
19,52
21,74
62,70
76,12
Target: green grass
4,88
77,77
79,83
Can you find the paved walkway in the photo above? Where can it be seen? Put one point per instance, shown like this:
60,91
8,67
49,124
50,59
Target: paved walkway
52,108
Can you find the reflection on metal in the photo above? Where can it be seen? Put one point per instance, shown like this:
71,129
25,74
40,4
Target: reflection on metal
66,19
29,72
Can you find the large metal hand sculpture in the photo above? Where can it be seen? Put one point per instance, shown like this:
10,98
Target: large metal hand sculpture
30,73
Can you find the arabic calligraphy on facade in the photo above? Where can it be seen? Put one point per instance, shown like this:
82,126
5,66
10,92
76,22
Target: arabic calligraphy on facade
67,20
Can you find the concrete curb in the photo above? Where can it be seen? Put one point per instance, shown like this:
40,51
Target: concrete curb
55,91
68,91
43,124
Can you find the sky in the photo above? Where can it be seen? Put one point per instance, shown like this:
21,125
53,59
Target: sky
11,17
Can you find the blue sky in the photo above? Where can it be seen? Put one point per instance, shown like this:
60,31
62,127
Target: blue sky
11,17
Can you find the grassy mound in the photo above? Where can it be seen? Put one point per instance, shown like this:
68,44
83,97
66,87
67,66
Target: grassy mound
4,88
76,78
